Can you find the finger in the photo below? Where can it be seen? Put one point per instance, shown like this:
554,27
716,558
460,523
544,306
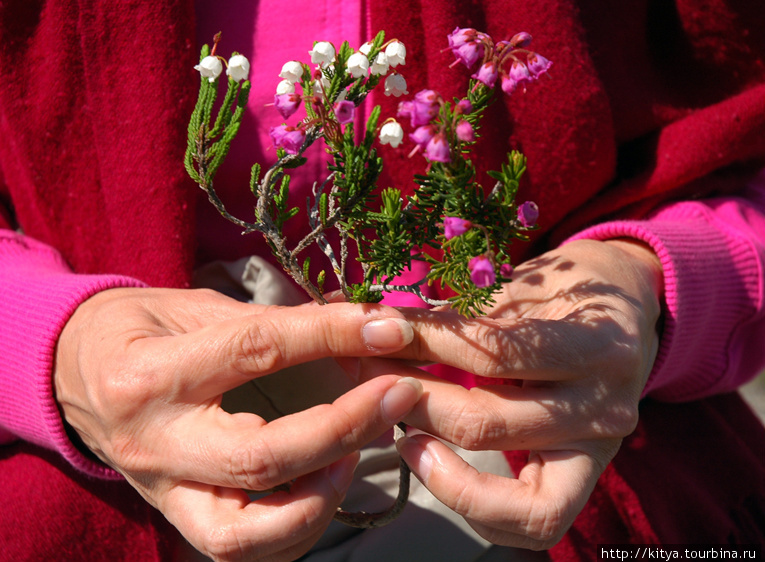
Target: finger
242,451
531,511
218,358
182,311
504,417
584,341
224,524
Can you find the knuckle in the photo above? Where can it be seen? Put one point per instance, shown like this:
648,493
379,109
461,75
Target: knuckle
462,500
624,419
255,466
119,401
127,454
617,417
257,350
126,389
310,515
629,357
488,335
466,431
205,294
477,427
222,543
547,524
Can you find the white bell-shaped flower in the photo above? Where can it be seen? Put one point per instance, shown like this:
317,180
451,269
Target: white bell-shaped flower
396,53
321,86
395,85
292,71
391,133
322,53
210,67
366,48
238,68
357,65
380,66
285,87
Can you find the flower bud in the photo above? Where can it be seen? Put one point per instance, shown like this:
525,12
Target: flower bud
506,270
464,106
357,65
465,131
396,53
323,53
391,133
238,68
508,84
395,85
210,67
528,213
292,71
520,40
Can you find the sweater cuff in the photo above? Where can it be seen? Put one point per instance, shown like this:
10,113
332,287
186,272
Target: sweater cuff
40,293
711,283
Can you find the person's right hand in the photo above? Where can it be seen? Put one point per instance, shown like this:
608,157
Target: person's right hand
140,373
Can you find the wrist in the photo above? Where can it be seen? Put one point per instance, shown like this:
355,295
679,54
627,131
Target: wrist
645,258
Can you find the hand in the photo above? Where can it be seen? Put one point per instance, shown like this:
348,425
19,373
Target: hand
140,373
577,331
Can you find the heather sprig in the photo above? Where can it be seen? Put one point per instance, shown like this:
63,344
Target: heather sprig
388,234
460,228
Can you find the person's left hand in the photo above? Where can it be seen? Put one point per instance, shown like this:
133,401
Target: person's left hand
577,331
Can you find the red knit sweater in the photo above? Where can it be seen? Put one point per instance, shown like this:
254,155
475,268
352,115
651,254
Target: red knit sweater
650,101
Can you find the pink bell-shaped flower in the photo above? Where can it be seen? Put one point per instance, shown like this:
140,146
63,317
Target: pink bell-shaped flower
287,104
437,149
288,138
487,73
481,271
344,111
456,226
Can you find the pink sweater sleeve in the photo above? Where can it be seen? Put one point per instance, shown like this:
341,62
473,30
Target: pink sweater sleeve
39,294
713,254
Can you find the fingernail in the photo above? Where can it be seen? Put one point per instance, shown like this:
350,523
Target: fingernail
400,399
390,333
341,473
416,456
